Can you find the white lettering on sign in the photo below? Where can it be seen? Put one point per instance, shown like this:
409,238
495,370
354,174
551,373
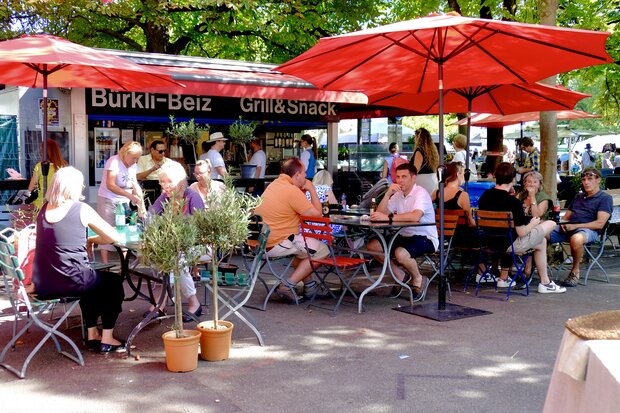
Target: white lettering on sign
101,98
287,107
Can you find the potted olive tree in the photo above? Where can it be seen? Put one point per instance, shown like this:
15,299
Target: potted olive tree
222,225
188,132
242,132
169,244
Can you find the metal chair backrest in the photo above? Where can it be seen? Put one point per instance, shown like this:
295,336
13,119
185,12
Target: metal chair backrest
318,228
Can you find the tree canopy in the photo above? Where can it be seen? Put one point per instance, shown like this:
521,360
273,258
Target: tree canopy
275,31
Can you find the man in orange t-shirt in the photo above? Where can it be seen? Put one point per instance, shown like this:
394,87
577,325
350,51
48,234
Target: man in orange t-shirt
283,202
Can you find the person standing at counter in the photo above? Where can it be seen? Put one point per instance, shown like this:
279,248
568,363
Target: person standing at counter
119,184
56,161
218,170
258,158
308,155
148,165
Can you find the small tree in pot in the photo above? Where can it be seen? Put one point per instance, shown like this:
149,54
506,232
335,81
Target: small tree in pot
169,244
187,132
222,225
242,132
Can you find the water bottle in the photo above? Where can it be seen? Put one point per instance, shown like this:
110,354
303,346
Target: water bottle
119,216
373,205
556,211
343,201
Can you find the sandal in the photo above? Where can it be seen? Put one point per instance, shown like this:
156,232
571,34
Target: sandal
398,289
572,280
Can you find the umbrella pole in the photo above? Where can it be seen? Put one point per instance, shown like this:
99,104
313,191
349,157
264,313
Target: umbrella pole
467,171
45,167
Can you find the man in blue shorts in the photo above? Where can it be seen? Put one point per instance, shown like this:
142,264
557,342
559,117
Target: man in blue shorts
406,201
587,216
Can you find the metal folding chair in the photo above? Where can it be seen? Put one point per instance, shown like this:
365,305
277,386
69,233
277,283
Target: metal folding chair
277,267
234,297
449,228
344,267
32,316
496,226
593,251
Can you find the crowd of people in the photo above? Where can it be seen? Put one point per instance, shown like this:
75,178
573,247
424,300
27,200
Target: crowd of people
62,261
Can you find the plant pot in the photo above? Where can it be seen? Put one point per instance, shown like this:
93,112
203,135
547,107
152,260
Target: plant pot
181,353
248,171
215,344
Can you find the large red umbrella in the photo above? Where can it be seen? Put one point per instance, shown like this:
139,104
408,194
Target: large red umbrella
445,52
42,61
488,120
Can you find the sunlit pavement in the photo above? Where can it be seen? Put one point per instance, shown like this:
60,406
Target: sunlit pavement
378,361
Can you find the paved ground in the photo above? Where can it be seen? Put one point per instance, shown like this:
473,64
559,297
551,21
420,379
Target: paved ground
378,361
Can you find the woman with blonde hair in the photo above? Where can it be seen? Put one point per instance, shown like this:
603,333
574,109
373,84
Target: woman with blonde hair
56,161
173,181
536,202
460,143
61,265
426,160
119,185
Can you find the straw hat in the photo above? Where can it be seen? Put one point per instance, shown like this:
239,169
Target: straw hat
217,136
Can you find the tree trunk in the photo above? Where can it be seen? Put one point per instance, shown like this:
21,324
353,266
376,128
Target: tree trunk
548,120
495,143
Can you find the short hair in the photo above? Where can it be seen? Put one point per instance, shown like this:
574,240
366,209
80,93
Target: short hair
292,166
504,173
591,170
526,142
204,162
130,147
174,171
257,142
392,146
67,185
460,141
324,178
409,167
452,171
155,143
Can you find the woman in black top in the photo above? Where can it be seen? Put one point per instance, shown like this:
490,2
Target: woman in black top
426,160
62,267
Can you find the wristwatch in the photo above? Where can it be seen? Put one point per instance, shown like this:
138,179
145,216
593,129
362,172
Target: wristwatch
391,216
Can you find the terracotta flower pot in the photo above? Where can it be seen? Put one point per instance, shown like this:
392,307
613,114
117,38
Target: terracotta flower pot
215,344
181,353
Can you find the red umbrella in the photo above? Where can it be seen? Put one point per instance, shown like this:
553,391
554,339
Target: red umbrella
43,61
445,52
487,120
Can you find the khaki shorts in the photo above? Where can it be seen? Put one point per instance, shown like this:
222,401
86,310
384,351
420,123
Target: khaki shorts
529,241
297,247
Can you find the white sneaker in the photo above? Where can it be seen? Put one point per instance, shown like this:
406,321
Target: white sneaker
505,283
481,280
550,288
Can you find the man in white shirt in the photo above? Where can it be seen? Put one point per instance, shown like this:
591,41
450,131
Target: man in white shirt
616,161
589,158
218,170
406,201
148,165
258,158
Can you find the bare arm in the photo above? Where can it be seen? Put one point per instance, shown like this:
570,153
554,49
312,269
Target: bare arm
331,198
315,210
384,172
142,175
221,170
258,171
465,205
111,183
525,229
105,233
417,160
596,225
34,182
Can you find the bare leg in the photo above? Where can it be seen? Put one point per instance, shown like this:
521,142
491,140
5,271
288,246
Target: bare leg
404,258
303,271
540,256
93,333
576,250
193,303
377,253
108,338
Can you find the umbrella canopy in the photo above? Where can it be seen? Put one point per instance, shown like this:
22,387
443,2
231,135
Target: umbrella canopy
487,120
443,52
32,61
502,99
408,56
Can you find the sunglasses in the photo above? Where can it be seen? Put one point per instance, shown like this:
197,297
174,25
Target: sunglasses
589,175
161,151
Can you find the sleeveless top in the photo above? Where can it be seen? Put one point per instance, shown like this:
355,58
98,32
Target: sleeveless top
311,171
425,168
61,266
452,204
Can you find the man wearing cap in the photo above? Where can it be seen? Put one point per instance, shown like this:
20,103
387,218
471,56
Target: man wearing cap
587,215
218,141
148,165
589,158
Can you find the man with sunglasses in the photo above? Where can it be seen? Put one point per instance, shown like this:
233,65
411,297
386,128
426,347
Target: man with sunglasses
148,165
587,215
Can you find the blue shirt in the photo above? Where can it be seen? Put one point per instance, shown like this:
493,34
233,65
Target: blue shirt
585,208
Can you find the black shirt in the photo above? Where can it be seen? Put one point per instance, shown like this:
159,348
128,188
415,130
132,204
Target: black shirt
498,200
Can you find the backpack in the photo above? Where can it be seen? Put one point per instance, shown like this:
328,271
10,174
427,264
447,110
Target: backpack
395,163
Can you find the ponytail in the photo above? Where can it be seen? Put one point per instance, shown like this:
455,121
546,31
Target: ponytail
315,148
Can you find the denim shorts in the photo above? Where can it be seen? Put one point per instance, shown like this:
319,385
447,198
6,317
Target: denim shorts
558,236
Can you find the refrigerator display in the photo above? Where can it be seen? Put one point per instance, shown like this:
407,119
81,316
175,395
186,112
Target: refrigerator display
106,145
